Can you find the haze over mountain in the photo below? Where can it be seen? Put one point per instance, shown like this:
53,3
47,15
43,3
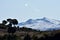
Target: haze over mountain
42,24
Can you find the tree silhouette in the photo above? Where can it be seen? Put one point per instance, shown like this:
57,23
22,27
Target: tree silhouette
10,29
12,22
9,19
4,22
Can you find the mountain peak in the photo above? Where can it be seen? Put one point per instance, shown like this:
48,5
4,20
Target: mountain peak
44,18
29,20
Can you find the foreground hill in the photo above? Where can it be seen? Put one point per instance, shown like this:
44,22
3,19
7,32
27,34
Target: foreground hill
41,35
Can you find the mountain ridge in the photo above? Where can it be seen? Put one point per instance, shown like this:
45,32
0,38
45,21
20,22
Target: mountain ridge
42,24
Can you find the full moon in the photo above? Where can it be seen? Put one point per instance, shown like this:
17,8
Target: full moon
26,4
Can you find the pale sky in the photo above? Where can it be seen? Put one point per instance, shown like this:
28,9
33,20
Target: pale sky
29,9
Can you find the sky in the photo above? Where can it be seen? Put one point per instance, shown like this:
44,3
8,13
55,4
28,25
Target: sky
23,10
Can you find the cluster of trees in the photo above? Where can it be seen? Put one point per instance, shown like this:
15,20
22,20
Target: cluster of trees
10,26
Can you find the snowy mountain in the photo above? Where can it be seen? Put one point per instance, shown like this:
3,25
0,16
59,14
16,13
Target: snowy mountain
42,24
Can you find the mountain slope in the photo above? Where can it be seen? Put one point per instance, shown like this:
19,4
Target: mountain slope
41,24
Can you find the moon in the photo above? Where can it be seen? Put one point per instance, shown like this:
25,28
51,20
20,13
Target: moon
26,5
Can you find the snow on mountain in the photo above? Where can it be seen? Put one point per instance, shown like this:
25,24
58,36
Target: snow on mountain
42,24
